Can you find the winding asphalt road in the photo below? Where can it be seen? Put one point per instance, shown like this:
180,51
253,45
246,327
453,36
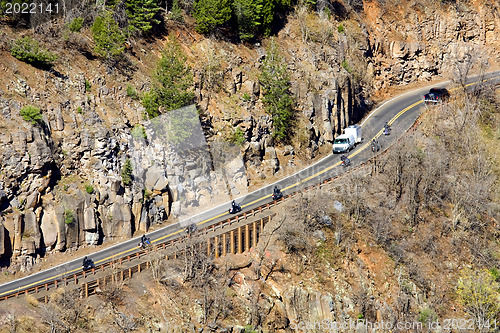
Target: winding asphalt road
401,112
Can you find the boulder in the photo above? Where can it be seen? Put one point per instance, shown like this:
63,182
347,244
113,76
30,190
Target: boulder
89,222
32,199
61,228
288,150
49,228
31,228
270,153
144,221
156,179
91,238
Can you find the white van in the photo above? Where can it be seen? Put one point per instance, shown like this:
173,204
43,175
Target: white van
347,141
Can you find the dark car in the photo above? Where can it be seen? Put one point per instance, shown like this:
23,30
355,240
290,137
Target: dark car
436,95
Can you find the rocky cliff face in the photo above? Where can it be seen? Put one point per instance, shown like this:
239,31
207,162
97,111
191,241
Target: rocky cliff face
60,180
414,41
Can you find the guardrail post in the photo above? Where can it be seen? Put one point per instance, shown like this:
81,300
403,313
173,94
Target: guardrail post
46,286
232,241
223,244
46,299
55,283
76,279
139,268
208,246
216,246
130,272
254,229
245,215
240,240
36,289
247,238
86,289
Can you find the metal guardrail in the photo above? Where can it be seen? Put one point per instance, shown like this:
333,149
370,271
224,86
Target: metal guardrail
73,278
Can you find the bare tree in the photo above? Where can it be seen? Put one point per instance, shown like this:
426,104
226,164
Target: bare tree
465,59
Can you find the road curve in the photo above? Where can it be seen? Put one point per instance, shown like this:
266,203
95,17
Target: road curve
400,112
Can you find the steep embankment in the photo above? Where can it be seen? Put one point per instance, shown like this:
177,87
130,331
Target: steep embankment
61,184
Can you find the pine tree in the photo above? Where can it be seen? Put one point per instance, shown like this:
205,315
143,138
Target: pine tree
108,38
141,14
269,9
127,172
276,92
173,79
248,14
210,14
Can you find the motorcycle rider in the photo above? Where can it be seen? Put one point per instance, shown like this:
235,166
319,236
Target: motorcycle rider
87,263
144,240
387,128
345,160
276,191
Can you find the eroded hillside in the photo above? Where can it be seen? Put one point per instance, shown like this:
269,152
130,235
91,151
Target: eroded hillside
61,180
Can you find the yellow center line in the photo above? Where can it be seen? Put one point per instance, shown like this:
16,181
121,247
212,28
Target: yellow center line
390,122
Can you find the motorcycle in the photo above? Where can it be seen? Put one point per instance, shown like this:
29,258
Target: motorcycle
375,146
191,229
277,194
387,129
87,264
236,208
145,243
345,161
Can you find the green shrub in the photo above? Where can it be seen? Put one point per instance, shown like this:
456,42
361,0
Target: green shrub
89,189
426,315
495,273
138,132
69,217
88,86
478,292
246,97
341,29
76,24
249,329
127,172
238,137
79,110
28,50
132,93
31,114
346,66
176,12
